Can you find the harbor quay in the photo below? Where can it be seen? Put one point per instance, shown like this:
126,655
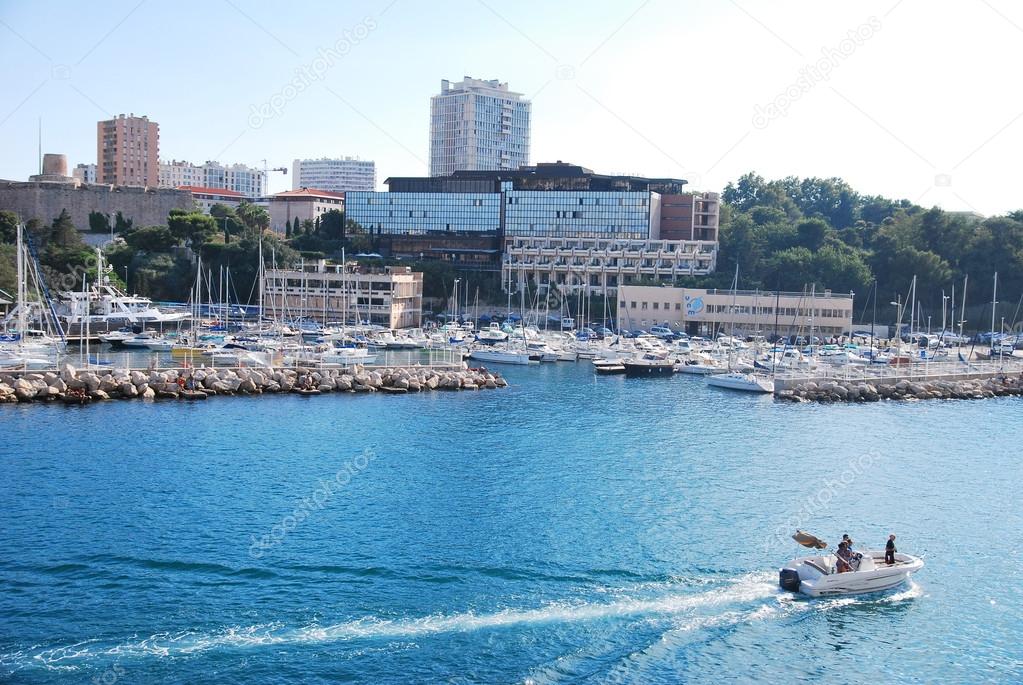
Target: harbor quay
73,386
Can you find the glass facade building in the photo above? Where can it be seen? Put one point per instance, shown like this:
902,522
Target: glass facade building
423,213
583,214
549,200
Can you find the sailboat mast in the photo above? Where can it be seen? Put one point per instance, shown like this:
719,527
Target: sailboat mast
260,275
994,305
953,302
962,305
21,284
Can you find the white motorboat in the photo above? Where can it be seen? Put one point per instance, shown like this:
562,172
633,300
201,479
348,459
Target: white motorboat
608,367
817,575
10,360
161,344
492,334
116,337
141,340
498,356
736,380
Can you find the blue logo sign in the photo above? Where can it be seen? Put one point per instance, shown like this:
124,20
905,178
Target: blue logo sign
693,305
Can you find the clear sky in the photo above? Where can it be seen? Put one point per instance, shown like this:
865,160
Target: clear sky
914,98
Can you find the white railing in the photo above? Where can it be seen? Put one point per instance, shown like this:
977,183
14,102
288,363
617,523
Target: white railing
916,370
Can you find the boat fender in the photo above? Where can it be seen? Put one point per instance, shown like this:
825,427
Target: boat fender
788,578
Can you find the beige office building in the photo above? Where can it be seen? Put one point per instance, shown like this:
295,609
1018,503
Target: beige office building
391,296
128,151
306,204
706,312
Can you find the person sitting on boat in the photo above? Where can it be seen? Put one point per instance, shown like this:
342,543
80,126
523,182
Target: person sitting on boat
849,545
843,558
889,550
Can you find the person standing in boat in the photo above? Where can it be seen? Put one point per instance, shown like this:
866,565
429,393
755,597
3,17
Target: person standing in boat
889,550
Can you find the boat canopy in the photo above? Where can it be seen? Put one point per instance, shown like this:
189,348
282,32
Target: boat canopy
807,540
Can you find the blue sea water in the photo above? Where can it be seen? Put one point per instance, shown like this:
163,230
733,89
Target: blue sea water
568,529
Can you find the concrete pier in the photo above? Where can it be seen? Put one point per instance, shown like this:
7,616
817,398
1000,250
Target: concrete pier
944,380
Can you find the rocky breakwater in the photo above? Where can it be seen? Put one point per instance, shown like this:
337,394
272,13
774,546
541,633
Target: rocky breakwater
73,386
945,389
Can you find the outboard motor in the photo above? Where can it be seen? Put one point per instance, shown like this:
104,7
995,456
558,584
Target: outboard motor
788,578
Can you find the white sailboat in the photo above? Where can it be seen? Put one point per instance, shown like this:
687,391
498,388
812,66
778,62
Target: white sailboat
740,380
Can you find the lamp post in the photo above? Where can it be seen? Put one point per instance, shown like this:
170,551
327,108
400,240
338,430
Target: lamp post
852,301
126,278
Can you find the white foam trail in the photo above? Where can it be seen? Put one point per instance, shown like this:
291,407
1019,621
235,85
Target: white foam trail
742,590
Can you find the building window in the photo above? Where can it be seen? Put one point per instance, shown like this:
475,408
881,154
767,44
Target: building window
644,305
656,305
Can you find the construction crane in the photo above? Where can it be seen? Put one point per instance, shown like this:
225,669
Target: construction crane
266,173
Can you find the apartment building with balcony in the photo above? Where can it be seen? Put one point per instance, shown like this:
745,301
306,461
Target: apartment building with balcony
337,175
478,124
127,151
350,293
596,266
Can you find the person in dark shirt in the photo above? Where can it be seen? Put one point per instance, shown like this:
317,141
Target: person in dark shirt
889,550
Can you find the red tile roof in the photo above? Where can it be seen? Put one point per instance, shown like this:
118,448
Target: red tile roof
212,191
310,192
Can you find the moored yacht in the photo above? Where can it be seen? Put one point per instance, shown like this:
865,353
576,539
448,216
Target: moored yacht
498,355
737,380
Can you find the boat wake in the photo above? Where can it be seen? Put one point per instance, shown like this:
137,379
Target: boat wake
689,610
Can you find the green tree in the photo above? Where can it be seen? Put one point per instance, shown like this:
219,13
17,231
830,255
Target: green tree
121,223
253,216
193,228
8,270
150,239
63,233
332,225
812,233
99,222
8,226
